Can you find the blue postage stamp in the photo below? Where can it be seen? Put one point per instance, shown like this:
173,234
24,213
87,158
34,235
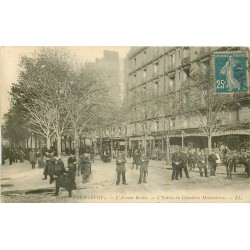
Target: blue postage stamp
230,72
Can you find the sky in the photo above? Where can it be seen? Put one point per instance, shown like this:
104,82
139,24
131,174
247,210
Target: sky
10,57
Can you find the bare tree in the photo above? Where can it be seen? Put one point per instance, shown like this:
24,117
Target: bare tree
40,89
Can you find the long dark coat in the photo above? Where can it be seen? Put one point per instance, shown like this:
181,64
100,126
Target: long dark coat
51,166
85,166
120,164
70,178
32,156
144,164
59,172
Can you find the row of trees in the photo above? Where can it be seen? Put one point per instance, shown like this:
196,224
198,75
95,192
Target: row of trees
57,95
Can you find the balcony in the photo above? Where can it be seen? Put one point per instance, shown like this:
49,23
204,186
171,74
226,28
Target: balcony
205,51
185,60
155,75
170,67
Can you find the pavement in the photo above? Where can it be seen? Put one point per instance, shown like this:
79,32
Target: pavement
21,183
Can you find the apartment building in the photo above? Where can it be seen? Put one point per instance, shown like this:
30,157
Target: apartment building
166,74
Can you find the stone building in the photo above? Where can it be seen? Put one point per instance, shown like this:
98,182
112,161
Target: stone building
166,74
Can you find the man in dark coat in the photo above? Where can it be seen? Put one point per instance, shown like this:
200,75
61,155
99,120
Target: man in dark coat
46,167
183,165
71,159
120,169
59,175
32,158
176,161
136,159
85,165
72,171
11,156
212,163
92,153
202,163
70,175
192,159
143,169
51,168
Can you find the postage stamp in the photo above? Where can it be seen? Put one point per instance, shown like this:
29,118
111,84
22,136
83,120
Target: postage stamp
230,72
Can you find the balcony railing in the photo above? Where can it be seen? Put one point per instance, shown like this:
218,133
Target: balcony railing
155,74
205,50
170,67
185,60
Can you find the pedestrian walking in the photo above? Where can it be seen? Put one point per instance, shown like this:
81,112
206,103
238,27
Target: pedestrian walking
46,166
59,175
192,159
15,155
51,168
32,158
136,159
120,169
72,163
212,163
21,155
11,156
70,183
176,161
202,163
85,165
40,158
92,153
143,169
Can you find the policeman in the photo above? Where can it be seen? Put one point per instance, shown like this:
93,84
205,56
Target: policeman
120,169
176,161
143,169
184,160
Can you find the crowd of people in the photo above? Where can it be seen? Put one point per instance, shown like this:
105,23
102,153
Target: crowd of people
186,160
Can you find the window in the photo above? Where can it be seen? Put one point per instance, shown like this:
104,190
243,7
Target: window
157,86
186,52
134,80
184,76
156,67
144,73
144,55
172,83
172,122
172,60
134,61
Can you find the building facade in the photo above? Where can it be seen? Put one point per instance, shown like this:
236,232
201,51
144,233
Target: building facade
164,73
112,68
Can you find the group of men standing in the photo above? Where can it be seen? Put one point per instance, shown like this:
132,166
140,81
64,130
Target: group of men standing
141,162
181,160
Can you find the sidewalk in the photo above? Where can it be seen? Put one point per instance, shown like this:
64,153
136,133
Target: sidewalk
21,178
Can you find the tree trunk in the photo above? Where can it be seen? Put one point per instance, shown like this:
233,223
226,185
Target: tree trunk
59,150
48,142
209,144
76,140
126,148
168,150
111,147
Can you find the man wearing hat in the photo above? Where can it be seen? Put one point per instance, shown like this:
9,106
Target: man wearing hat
120,169
143,169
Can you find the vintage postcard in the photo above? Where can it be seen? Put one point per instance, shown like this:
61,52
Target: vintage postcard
125,124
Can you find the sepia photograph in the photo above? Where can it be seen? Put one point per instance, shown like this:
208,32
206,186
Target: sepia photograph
149,124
